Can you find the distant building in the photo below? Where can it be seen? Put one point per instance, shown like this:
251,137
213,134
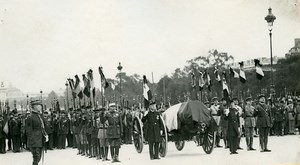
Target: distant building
249,64
294,50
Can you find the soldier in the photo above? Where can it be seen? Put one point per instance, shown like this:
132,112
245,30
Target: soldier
215,112
102,136
76,123
83,138
63,128
263,123
49,130
241,121
36,131
278,118
94,134
128,119
291,116
153,127
114,132
223,122
15,127
249,123
2,135
232,116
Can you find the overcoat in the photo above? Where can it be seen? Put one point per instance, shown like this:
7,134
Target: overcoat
233,122
153,125
263,114
34,131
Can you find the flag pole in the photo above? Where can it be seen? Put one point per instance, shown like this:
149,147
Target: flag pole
152,83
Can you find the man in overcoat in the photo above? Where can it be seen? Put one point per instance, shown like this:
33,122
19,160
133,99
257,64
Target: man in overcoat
153,127
36,132
233,128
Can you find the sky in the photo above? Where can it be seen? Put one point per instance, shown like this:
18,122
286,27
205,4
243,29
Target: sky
42,43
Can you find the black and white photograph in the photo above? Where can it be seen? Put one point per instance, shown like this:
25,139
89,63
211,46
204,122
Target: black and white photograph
142,82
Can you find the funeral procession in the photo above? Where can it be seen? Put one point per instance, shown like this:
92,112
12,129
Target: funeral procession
150,82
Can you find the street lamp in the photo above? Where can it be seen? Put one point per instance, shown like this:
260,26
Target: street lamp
120,69
270,20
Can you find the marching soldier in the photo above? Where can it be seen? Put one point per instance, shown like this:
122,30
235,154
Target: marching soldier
36,132
153,127
263,122
249,123
114,132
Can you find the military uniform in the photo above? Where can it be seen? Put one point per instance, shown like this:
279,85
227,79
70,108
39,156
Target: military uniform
263,124
249,120
36,132
63,130
2,136
114,133
278,119
233,129
153,126
215,112
15,125
224,124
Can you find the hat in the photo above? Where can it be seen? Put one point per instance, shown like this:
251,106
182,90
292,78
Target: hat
235,98
46,112
262,95
248,99
152,103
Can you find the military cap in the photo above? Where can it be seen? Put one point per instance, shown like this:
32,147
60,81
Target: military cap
46,113
262,95
248,99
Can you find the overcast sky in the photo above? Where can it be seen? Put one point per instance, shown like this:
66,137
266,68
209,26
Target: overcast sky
42,43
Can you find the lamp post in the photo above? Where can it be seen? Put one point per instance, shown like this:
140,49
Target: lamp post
67,96
270,20
120,70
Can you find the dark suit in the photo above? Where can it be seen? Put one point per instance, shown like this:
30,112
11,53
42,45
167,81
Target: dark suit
263,124
153,126
233,129
2,137
35,136
16,134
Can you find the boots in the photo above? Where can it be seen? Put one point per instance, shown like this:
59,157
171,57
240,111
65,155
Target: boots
251,144
248,143
117,154
218,138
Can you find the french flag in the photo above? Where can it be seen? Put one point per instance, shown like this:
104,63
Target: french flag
242,73
259,72
146,93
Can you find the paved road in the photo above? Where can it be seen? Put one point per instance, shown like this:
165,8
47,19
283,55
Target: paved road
285,151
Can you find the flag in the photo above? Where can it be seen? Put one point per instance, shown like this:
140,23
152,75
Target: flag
91,79
207,79
233,73
72,86
259,72
104,84
201,80
242,73
225,86
193,79
146,93
216,72
77,87
87,86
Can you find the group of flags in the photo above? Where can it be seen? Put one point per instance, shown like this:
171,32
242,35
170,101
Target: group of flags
88,89
204,77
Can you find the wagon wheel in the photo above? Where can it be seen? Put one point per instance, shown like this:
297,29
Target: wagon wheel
179,145
163,146
138,136
208,141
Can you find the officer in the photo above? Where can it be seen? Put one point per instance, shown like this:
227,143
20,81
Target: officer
63,128
102,134
232,116
114,132
263,122
153,127
249,123
240,112
36,131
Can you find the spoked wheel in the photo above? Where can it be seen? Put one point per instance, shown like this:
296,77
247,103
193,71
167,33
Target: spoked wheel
138,136
179,145
163,146
208,142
